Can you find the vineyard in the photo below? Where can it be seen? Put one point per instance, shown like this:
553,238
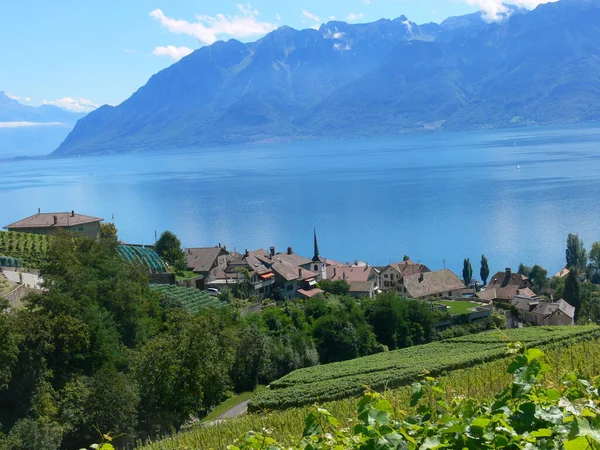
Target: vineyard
23,249
143,256
401,367
193,299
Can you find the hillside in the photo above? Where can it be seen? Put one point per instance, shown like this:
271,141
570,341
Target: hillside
385,77
47,126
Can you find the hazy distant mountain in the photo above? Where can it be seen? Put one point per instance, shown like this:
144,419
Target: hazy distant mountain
31,131
383,77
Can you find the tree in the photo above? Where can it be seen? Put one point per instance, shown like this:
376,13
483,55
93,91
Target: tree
467,272
571,293
524,270
595,262
484,272
168,247
337,287
108,230
576,255
405,258
539,278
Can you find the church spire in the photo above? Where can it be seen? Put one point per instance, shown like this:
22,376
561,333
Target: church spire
316,257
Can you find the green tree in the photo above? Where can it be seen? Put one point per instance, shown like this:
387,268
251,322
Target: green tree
406,258
571,293
168,247
539,278
594,258
108,230
524,270
244,282
575,254
337,287
467,272
484,272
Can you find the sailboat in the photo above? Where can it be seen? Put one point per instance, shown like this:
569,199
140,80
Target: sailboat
518,167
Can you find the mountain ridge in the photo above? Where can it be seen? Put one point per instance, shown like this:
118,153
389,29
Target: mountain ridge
382,77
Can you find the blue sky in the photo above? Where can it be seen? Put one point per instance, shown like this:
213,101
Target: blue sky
79,54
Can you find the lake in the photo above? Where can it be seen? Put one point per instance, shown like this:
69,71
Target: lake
434,197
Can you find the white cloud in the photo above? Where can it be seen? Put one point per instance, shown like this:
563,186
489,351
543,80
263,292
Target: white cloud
208,29
172,52
29,124
27,99
353,16
494,10
80,105
408,26
129,50
311,16
337,35
277,16
331,17
434,12
12,96
367,2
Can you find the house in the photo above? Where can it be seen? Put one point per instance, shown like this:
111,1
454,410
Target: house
439,283
504,286
49,223
362,278
261,277
391,277
537,311
207,261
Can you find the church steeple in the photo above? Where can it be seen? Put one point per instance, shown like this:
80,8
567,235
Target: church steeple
316,257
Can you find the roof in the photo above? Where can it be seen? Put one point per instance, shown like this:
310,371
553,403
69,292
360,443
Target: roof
46,220
408,267
536,305
430,283
505,285
563,273
348,273
251,262
312,293
291,272
202,259
361,286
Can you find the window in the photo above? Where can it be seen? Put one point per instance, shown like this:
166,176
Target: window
386,283
385,275
392,276
80,228
316,267
290,287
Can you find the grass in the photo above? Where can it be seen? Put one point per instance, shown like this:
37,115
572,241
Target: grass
457,307
481,381
230,403
6,286
186,275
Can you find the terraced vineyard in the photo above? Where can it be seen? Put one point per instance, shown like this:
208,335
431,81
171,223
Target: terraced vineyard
28,249
401,367
143,256
193,299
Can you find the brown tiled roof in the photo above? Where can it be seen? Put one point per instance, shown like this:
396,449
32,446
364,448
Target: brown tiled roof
289,272
201,259
409,267
361,286
431,283
46,220
536,305
504,286
251,262
566,308
348,273
312,293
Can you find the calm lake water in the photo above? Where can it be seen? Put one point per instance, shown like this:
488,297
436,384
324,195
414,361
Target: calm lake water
434,197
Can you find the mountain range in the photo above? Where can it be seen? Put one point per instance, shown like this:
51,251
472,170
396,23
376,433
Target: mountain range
386,77
32,130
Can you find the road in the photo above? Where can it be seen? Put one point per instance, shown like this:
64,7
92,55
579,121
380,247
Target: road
235,411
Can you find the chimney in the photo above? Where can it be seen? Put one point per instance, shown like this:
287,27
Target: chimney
189,251
356,262
507,272
72,213
55,220
219,245
299,272
247,252
272,250
334,271
420,277
39,210
289,252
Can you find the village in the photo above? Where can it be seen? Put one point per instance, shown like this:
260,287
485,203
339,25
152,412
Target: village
288,276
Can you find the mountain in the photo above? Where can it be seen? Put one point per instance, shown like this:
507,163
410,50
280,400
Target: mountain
32,131
537,67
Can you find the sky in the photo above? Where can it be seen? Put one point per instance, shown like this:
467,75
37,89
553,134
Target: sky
80,54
